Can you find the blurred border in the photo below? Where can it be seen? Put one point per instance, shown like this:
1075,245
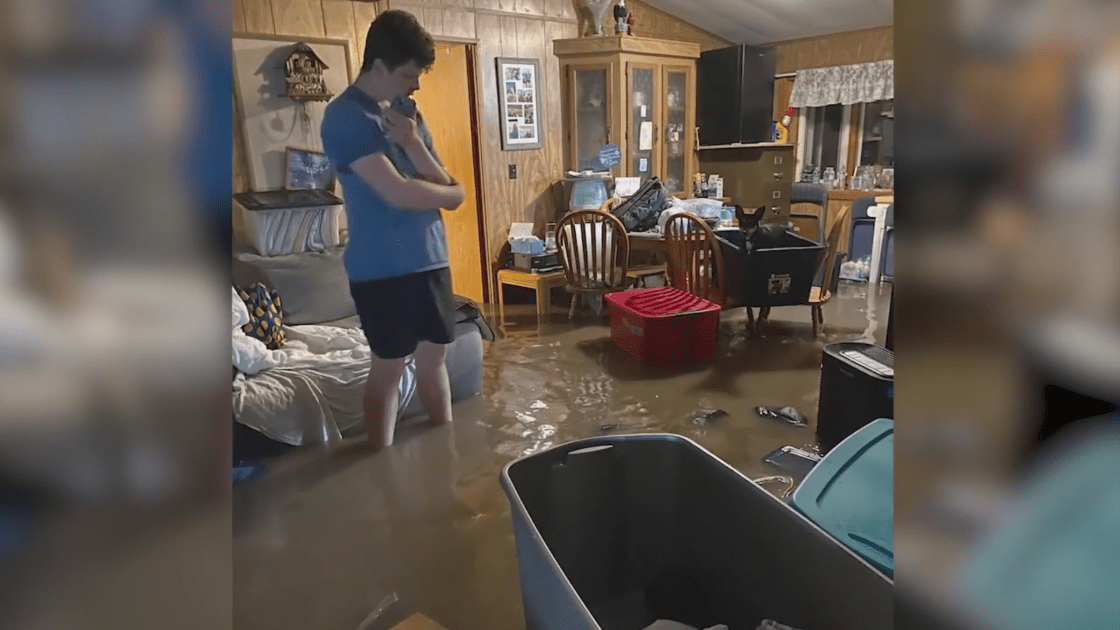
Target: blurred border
1008,333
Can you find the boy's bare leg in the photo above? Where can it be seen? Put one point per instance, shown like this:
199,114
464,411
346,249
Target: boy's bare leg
381,399
432,382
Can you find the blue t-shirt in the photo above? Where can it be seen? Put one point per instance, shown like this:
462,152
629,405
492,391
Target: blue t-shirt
385,241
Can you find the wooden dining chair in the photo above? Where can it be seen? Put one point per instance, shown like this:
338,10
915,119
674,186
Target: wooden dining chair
595,252
636,275
820,295
695,261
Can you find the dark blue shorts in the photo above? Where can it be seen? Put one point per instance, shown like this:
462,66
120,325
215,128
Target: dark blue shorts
398,313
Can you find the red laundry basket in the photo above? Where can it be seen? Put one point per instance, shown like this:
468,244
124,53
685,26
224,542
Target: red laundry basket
664,325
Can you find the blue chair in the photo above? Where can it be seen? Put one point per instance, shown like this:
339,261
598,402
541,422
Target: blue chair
862,234
816,194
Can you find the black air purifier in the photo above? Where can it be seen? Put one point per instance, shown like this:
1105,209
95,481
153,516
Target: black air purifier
857,387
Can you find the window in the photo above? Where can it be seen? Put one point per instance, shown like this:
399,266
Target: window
822,136
826,133
877,138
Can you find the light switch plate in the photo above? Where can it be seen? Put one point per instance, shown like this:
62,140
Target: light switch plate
513,171
777,194
777,159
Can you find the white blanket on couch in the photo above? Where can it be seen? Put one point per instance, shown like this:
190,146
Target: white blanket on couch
310,390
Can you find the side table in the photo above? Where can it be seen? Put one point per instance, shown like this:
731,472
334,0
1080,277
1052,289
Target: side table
542,283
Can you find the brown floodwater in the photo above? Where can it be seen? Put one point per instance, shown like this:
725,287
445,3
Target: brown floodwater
323,539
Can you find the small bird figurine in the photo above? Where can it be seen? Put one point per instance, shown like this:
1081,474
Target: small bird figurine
620,15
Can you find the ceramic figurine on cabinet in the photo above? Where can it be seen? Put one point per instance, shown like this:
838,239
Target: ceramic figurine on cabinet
630,25
620,15
598,10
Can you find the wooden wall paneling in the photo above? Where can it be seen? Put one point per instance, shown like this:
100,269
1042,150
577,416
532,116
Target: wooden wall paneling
570,10
853,139
432,19
258,17
298,18
507,5
364,14
489,5
862,46
782,89
531,7
554,8
554,112
458,24
538,171
496,191
338,21
239,16
516,189
651,22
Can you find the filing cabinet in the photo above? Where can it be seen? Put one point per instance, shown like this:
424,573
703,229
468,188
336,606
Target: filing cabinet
754,175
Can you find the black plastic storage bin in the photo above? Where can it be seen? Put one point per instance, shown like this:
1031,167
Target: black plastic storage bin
616,532
779,275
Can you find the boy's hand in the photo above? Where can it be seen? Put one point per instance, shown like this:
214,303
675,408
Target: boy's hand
400,128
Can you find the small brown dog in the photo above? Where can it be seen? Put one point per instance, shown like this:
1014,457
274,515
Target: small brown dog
756,234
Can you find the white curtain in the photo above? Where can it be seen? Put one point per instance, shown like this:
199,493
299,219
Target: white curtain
843,85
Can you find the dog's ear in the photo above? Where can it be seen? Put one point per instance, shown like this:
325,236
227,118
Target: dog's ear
760,214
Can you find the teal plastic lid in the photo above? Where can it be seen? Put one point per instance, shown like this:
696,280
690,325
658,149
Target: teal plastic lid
850,494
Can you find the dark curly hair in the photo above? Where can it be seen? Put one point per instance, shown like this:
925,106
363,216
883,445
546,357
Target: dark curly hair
396,37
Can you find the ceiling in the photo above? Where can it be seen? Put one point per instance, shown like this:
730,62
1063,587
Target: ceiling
766,21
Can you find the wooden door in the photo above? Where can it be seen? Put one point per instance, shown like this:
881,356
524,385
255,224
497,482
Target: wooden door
445,97
643,120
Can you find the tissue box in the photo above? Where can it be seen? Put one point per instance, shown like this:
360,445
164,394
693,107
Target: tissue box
530,245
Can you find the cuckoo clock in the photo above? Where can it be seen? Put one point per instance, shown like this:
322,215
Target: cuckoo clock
303,72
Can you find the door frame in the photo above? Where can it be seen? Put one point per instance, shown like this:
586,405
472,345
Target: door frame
474,79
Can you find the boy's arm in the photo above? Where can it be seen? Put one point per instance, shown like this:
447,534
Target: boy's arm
356,145
407,194
426,164
407,133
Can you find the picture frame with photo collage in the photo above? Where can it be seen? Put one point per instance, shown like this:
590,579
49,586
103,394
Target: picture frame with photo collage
519,92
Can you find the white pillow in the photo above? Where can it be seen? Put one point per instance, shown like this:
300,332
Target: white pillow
240,311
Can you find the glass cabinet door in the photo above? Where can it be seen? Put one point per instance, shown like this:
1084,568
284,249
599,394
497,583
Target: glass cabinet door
643,125
675,138
590,114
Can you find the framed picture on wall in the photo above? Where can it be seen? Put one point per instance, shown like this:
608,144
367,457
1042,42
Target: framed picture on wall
307,170
520,93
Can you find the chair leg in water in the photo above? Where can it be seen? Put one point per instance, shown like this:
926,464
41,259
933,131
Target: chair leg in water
572,310
816,322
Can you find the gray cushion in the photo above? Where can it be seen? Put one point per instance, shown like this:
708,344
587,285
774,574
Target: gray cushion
313,286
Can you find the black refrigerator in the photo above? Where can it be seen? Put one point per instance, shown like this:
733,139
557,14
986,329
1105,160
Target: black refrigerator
735,100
